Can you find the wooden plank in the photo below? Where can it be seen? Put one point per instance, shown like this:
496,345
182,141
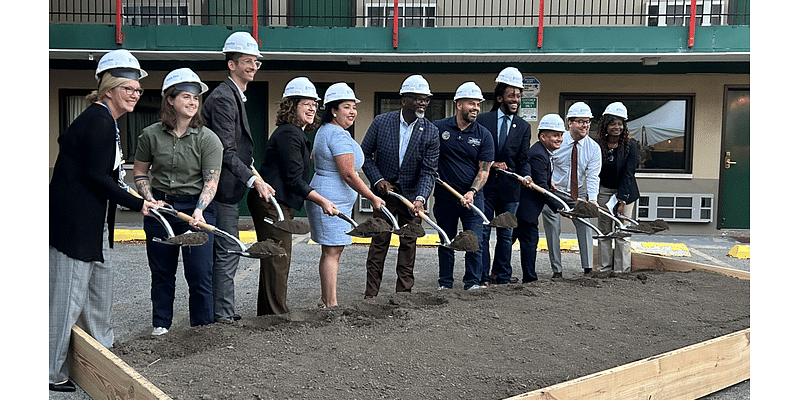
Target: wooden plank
686,373
640,261
103,375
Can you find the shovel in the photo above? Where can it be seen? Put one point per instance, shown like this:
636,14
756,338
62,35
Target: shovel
511,223
652,227
185,239
267,248
294,227
601,210
370,228
412,230
464,241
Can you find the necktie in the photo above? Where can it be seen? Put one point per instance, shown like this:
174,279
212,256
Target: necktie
501,136
573,172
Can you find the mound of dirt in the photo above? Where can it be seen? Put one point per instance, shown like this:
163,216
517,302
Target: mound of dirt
450,344
371,227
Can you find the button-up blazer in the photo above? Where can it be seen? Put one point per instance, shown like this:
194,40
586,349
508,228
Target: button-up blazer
531,202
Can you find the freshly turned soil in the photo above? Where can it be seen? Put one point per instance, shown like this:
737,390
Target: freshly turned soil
449,344
505,220
466,241
370,227
584,209
189,239
293,226
412,229
269,247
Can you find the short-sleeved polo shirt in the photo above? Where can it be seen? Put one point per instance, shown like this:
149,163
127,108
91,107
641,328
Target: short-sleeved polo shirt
459,154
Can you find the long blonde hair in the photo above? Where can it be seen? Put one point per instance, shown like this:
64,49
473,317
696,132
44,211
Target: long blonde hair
107,82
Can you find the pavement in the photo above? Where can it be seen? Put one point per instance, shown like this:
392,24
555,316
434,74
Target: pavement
132,307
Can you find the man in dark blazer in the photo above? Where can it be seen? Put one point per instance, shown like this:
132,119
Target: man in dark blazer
225,114
531,203
401,153
512,137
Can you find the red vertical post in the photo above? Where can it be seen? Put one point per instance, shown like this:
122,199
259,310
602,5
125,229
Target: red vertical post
255,22
119,37
692,24
394,29
540,39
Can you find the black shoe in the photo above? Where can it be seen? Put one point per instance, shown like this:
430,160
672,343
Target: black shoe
587,271
557,275
236,317
67,386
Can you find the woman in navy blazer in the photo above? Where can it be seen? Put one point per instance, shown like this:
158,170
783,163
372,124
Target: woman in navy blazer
286,168
620,157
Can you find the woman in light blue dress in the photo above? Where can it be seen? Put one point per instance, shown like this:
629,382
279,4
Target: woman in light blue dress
337,158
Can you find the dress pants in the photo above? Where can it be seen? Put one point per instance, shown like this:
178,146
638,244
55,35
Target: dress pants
197,265
225,264
406,251
501,266
81,293
613,253
448,211
274,274
528,235
551,221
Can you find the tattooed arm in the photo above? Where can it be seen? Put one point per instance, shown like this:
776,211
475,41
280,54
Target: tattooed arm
477,183
210,181
142,180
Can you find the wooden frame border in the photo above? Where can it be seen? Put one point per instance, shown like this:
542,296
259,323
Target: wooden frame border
686,373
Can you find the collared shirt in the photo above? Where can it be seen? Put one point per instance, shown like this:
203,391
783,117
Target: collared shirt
176,163
589,164
405,134
460,152
241,93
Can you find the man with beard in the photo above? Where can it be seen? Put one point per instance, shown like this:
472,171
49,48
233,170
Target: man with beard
512,136
401,152
466,153
576,169
225,114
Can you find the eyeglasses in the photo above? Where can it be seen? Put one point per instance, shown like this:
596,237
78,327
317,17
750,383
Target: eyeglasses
421,100
130,91
309,104
582,121
251,62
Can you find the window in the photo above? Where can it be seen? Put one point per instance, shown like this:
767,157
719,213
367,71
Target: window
158,14
441,106
679,12
661,125
380,15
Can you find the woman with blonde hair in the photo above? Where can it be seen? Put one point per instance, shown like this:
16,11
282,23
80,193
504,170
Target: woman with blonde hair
84,192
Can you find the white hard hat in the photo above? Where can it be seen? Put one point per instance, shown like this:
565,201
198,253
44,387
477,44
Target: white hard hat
510,76
340,91
551,122
616,109
579,110
120,63
241,42
415,84
468,90
300,87
184,79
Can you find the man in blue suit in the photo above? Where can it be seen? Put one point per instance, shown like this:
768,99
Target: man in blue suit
401,153
512,138
531,203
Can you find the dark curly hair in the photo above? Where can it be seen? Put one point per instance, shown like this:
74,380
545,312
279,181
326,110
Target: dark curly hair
602,134
287,114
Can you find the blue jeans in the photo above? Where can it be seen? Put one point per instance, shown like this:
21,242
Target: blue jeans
502,249
448,211
197,264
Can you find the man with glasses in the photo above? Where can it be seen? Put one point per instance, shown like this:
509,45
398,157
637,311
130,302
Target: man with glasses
576,169
225,114
401,153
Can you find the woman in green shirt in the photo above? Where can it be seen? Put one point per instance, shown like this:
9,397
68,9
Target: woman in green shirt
184,160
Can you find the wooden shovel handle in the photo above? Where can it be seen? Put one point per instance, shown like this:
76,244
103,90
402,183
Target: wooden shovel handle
450,188
408,204
204,226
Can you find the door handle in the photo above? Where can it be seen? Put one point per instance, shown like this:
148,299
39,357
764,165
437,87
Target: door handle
728,161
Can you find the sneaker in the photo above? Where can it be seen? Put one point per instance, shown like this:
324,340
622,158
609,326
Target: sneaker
443,288
158,331
474,287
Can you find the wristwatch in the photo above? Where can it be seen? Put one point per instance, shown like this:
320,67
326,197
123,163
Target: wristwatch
473,190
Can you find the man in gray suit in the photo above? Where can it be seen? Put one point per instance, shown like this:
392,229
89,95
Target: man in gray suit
401,152
225,114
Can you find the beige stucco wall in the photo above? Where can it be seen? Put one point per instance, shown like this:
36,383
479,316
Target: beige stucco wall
708,90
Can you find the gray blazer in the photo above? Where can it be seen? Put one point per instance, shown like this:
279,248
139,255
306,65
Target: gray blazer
224,113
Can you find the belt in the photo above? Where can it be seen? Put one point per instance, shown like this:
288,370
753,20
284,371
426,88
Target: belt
181,198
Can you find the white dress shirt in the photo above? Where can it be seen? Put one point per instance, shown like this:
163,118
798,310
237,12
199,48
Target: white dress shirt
590,160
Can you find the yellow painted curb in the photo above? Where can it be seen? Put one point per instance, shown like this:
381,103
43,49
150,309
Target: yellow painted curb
431,239
740,251
124,235
664,249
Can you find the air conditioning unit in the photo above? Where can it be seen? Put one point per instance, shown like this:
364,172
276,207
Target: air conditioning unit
364,205
675,207
678,12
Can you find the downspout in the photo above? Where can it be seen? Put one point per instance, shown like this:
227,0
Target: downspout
255,22
394,29
541,24
119,37
690,44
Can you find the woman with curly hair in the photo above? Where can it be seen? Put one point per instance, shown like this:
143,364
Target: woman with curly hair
620,157
286,168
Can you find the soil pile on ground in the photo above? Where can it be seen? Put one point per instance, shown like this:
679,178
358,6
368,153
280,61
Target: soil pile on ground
491,343
505,220
371,227
189,239
270,247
